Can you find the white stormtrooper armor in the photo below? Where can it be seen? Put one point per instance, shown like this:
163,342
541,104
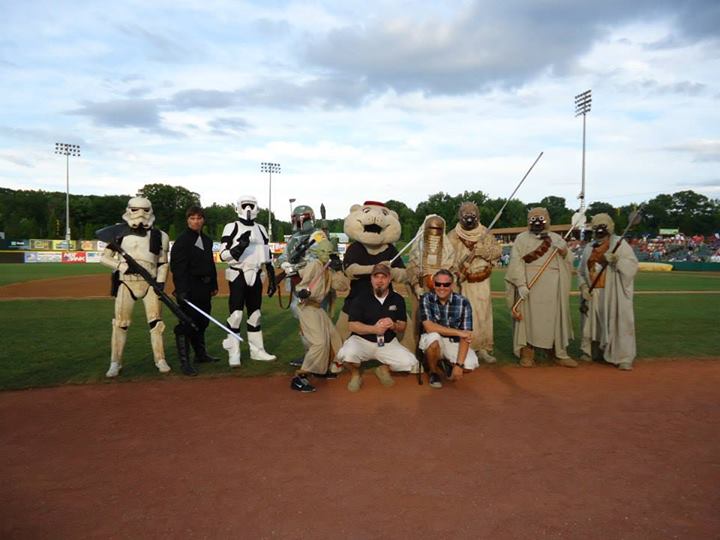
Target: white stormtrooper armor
246,250
149,247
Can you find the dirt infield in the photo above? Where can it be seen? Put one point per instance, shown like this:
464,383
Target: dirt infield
506,453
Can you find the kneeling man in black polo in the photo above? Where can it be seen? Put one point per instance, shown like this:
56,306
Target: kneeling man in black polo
375,319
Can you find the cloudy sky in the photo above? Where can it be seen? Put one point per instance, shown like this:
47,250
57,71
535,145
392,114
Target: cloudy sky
361,100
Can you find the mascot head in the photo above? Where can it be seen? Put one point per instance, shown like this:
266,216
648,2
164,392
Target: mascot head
538,220
139,213
247,207
303,219
602,226
372,224
469,215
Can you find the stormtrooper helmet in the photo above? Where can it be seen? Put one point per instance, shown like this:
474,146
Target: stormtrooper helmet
247,207
139,213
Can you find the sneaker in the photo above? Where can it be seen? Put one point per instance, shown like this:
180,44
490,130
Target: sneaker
382,373
435,381
301,384
625,366
297,362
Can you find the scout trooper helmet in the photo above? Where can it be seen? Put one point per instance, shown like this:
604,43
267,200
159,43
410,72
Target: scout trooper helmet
247,207
139,213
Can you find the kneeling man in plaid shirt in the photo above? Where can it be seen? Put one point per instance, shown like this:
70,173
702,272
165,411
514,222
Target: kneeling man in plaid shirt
447,325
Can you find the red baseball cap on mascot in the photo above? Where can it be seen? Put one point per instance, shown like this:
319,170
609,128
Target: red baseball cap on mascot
374,203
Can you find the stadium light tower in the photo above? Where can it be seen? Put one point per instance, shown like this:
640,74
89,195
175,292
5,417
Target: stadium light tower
67,150
270,168
583,102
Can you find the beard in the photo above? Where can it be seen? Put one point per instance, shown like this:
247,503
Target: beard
379,291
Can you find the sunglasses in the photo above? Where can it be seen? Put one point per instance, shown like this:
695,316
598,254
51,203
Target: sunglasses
443,283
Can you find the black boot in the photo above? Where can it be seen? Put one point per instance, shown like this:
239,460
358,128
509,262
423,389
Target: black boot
181,341
201,354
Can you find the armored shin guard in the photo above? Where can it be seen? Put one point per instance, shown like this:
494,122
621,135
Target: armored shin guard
117,345
230,344
156,341
255,339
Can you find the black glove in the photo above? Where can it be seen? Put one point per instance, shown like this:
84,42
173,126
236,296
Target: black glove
243,243
272,284
302,294
161,286
335,263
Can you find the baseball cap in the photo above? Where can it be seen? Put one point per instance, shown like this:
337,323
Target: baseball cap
381,268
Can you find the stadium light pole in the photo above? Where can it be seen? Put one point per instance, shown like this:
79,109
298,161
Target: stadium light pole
67,150
583,102
270,168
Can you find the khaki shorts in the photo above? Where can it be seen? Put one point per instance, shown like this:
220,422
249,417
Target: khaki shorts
448,349
357,350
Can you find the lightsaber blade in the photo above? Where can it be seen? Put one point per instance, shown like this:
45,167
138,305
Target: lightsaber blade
213,319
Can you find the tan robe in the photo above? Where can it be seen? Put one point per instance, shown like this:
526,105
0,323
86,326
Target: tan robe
546,321
486,252
419,271
610,319
323,340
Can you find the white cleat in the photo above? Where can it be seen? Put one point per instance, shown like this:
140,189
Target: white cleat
114,370
162,366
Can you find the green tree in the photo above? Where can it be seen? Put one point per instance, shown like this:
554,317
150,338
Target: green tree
408,220
599,207
169,204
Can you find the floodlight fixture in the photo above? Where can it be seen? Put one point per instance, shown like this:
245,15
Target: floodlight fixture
67,150
583,103
270,168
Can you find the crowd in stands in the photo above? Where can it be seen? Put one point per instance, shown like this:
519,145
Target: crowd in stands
677,248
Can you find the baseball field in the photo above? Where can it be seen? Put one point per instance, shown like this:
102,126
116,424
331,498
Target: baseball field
505,453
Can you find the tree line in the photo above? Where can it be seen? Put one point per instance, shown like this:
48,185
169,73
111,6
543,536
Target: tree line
41,214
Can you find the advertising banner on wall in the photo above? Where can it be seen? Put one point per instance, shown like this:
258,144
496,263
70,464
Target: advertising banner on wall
49,257
63,244
38,244
93,256
73,257
31,257
90,245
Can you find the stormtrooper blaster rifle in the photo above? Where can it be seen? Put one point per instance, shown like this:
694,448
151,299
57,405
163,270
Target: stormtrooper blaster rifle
109,236
578,219
470,256
634,218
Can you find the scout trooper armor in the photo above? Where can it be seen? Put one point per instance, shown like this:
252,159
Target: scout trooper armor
149,247
245,248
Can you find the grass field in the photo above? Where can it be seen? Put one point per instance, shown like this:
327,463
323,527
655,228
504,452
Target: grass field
645,281
51,342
